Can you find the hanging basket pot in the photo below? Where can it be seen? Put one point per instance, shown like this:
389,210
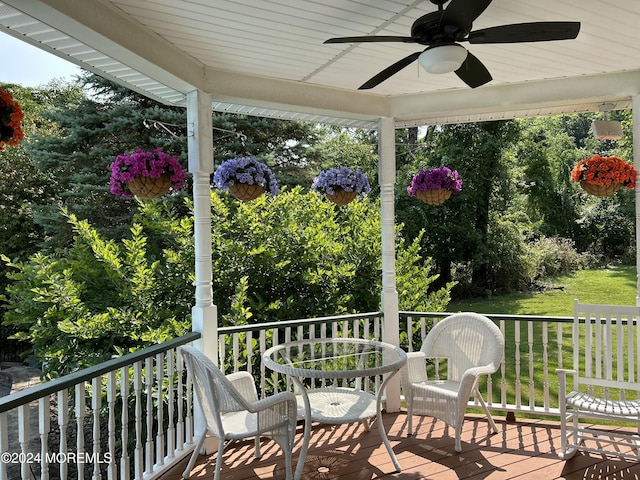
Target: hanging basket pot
600,190
341,197
148,187
246,192
434,197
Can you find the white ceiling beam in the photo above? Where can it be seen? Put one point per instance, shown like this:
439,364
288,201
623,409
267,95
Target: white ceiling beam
294,96
570,95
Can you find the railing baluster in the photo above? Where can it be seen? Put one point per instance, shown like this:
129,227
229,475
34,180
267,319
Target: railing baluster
23,438
149,450
159,420
96,404
63,421
124,422
503,372
80,410
532,394
44,426
517,364
111,424
137,388
180,426
4,443
545,364
171,431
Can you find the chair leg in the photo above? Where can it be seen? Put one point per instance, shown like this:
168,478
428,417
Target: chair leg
216,473
257,453
409,416
486,410
192,461
458,434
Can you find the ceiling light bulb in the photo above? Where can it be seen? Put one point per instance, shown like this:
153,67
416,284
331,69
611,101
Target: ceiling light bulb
443,58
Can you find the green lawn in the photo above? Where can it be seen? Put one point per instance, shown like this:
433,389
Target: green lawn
613,286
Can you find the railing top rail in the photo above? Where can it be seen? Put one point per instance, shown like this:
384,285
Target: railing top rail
34,393
295,323
496,316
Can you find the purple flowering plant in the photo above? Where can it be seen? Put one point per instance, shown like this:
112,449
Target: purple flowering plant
245,170
328,181
435,179
151,164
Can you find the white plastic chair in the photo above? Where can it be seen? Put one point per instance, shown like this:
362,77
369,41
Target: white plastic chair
473,346
232,410
604,383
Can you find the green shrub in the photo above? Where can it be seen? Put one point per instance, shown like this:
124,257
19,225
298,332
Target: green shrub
293,256
554,256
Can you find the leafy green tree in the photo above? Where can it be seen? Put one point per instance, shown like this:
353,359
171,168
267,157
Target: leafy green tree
458,232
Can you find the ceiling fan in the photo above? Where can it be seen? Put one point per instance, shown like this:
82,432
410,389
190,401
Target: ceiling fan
441,31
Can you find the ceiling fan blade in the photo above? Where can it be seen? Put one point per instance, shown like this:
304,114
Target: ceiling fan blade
389,71
526,32
463,13
473,72
374,38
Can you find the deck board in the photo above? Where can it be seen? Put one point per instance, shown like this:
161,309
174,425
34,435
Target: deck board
524,449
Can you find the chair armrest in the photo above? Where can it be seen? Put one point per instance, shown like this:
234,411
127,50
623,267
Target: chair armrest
245,385
288,398
414,371
470,376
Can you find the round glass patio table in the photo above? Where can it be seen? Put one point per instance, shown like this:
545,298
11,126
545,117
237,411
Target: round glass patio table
332,359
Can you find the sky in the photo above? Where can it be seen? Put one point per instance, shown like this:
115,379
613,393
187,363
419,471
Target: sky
29,66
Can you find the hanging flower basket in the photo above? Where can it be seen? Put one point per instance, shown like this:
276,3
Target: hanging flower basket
146,174
434,186
341,185
10,120
246,192
603,176
341,197
245,178
600,190
148,187
433,196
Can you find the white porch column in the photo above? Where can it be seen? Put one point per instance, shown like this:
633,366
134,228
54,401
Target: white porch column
635,121
387,179
200,147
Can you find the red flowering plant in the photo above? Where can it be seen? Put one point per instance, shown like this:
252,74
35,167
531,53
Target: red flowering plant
601,171
10,120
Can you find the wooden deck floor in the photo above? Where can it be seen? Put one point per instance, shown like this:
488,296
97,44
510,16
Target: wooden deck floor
524,449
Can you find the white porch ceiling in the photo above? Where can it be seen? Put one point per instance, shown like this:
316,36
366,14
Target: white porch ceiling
266,57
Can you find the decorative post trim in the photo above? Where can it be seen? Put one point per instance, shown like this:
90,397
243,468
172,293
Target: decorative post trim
387,178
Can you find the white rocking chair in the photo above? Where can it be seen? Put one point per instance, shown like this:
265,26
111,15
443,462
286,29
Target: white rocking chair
605,383
232,410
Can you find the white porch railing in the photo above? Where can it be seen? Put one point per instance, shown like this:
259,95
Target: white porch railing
141,423
526,383
126,418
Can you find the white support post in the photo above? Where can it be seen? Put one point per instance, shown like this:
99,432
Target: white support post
200,147
204,314
635,120
387,178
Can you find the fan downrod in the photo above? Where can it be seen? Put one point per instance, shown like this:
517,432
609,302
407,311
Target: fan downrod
439,3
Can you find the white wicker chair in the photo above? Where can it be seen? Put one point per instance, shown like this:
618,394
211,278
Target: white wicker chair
473,346
604,382
232,410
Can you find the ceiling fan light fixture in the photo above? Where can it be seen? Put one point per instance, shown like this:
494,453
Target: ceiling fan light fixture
443,58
